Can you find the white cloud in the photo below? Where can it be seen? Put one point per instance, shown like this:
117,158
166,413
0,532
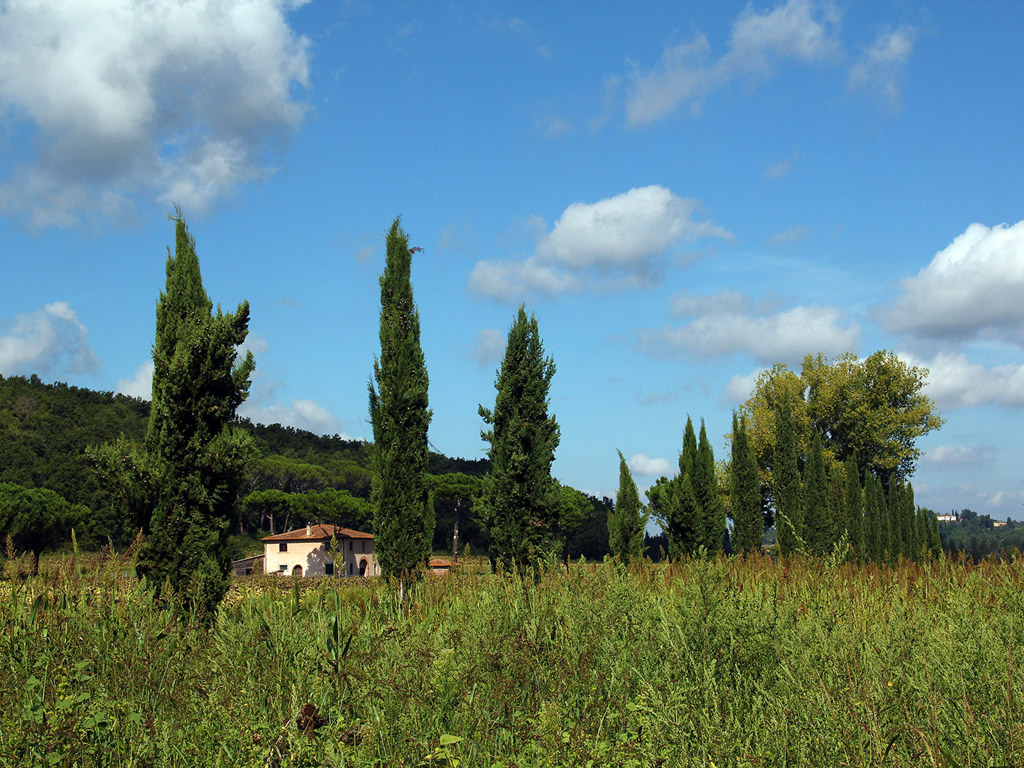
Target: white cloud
800,30
958,454
724,302
740,386
954,382
972,288
140,384
642,464
301,414
785,336
879,70
514,280
1006,499
625,230
49,340
174,100
778,170
793,235
489,347
617,243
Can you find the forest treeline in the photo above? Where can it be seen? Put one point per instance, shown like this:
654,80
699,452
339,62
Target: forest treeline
294,476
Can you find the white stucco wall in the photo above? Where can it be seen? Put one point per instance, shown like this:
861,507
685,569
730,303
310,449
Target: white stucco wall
314,555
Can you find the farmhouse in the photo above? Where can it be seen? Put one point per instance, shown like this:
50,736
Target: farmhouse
320,550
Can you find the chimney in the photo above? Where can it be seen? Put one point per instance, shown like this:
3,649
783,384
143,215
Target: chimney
309,530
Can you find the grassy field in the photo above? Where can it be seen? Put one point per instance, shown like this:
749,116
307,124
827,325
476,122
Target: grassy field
720,663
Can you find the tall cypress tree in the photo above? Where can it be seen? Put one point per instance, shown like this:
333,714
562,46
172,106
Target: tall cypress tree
817,514
628,520
748,522
403,519
705,486
518,498
873,518
789,521
854,508
194,459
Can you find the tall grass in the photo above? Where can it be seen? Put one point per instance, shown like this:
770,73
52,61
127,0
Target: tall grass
702,663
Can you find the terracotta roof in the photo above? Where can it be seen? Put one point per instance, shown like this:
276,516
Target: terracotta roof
319,533
437,562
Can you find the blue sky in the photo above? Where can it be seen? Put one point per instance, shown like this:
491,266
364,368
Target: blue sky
683,193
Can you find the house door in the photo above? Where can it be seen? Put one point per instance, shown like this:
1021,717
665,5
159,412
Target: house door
297,570
362,567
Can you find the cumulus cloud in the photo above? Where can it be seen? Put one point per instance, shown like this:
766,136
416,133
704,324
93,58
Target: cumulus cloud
174,100
301,414
616,243
971,289
959,454
879,70
798,30
49,340
955,382
741,386
642,464
489,347
140,384
785,336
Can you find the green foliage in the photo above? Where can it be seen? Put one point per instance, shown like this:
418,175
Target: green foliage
789,517
628,521
35,518
872,408
745,493
854,508
599,666
709,500
818,516
193,460
403,520
519,500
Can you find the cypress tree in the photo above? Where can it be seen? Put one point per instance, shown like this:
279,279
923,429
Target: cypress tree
518,498
194,459
854,508
789,522
873,518
837,507
817,511
688,457
627,521
706,489
403,520
748,523
934,537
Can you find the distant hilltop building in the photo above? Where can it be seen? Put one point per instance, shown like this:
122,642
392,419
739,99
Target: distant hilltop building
949,517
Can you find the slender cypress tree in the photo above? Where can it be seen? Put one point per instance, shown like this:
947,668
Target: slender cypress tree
688,457
854,508
934,537
789,522
518,498
748,522
817,513
705,486
627,521
194,458
837,506
403,520
874,505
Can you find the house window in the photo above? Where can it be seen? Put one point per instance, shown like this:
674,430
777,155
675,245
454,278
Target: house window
329,569
283,568
350,569
282,547
350,546
362,546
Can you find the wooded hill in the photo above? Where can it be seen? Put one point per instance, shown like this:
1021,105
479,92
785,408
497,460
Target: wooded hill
294,476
